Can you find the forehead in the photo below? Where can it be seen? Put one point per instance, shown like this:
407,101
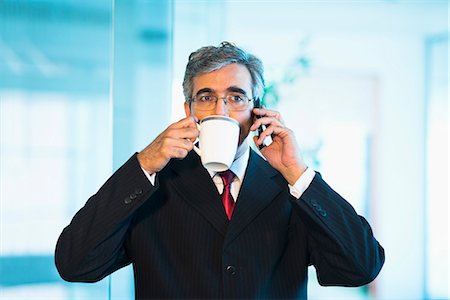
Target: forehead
232,75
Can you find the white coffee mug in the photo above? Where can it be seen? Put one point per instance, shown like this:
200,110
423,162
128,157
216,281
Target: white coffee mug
218,142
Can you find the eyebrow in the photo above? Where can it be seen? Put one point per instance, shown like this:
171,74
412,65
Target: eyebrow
234,89
204,90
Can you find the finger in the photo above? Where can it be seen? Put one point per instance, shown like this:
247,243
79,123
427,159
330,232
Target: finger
182,133
272,113
177,143
175,148
178,152
190,121
259,111
270,131
261,149
255,140
265,121
266,112
180,148
263,112
186,144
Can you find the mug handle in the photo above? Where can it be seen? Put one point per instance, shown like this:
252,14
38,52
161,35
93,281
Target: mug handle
196,149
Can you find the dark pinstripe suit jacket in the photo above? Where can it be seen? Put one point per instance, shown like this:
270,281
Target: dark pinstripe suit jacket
181,244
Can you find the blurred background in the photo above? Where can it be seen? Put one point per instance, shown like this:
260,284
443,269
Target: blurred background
364,85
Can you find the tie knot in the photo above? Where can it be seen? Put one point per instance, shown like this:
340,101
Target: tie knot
227,177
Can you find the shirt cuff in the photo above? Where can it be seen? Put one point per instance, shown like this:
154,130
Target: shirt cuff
302,183
150,177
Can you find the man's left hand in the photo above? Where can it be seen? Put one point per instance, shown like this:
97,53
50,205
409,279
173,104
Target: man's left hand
283,153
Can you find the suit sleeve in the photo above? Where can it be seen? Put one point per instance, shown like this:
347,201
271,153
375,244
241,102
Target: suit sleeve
92,246
341,243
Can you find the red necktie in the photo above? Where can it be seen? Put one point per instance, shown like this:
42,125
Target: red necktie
227,199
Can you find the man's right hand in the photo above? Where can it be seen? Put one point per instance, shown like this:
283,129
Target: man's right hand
174,142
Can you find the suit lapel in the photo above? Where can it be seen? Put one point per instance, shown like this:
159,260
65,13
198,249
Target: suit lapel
196,187
257,191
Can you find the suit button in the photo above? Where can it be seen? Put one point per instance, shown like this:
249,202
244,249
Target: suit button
138,191
231,270
128,200
133,196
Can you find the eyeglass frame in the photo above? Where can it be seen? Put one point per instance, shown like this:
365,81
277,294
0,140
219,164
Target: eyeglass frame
192,100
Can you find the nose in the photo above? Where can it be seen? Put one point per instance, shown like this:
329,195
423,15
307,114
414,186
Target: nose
221,107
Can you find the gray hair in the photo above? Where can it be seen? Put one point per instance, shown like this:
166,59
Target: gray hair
211,58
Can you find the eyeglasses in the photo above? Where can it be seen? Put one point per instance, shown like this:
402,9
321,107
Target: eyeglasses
234,101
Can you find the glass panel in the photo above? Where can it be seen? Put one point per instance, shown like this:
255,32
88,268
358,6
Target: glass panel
141,89
55,135
437,172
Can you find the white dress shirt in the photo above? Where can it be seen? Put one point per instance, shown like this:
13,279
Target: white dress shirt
239,166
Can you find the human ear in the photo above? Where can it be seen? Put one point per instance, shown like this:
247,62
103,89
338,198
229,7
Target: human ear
187,109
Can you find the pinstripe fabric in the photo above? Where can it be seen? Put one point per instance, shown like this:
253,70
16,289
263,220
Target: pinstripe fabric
181,244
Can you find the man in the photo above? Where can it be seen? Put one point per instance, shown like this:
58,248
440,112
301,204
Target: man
162,210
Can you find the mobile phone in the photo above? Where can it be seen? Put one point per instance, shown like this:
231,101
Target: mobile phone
267,140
